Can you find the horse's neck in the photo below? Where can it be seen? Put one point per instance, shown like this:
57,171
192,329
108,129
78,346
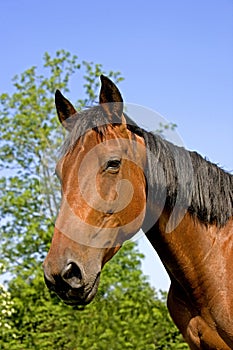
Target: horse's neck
190,247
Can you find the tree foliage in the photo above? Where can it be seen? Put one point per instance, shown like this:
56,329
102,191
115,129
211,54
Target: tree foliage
28,128
127,313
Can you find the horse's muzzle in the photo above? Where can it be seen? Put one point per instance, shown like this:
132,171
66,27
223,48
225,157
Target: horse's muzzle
69,284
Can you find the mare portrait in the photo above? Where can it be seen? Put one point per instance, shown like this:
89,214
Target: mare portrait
117,178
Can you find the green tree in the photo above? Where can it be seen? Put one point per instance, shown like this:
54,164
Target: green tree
28,128
127,313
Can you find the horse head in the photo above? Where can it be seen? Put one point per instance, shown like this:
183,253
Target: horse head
103,194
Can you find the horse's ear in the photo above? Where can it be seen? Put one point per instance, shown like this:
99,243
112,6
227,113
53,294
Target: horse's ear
110,98
65,111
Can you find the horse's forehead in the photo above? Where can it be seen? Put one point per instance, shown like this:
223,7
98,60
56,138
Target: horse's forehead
102,143
109,139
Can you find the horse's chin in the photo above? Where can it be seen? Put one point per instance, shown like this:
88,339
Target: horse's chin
75,297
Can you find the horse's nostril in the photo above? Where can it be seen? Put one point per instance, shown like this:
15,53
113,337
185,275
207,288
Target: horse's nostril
72,275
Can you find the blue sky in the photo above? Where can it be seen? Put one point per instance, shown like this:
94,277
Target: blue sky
176,58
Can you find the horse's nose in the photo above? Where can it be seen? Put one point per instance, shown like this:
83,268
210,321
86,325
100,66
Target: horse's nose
72,275
69,277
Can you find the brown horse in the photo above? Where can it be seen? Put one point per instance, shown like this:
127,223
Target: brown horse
117,178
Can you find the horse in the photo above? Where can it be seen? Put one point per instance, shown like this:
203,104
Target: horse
117,178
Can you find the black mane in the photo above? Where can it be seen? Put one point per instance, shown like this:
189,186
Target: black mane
190,181
183,178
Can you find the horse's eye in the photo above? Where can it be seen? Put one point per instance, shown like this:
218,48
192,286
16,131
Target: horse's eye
113,165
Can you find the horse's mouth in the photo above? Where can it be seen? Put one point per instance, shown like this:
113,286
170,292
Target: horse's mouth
81,296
